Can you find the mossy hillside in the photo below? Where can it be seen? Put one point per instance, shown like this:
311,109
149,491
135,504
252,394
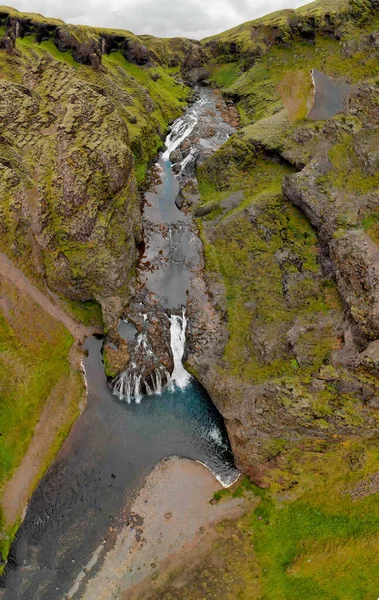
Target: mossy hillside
147,121
35,355
168,52
284,317
328,537
38,18
35,362
73,141
370,224
283,26
312,534
348,171
88,313
261,90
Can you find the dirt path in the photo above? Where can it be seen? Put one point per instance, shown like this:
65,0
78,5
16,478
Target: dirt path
170,515
58,411
10,272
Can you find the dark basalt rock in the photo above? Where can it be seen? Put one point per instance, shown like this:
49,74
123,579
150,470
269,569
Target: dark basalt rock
8,42
135,52
86,52
21,26
111,43
193,67
303,27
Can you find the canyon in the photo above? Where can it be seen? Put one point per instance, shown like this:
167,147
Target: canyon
254,234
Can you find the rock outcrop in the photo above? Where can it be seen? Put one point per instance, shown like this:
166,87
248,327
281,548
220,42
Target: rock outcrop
194,65
70,168
292,346
135,52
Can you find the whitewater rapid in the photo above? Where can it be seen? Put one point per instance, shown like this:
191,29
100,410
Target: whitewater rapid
131,385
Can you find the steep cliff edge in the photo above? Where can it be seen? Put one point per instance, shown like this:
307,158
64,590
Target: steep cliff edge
296,314
84,111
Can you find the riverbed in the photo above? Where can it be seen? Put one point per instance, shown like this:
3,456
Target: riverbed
84,502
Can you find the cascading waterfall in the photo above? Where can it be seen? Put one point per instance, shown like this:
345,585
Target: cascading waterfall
132,385
180,377
178,134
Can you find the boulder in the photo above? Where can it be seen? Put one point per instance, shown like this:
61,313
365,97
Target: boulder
369,359
84,49
135,52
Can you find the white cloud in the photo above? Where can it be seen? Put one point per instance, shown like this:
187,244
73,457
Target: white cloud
166,18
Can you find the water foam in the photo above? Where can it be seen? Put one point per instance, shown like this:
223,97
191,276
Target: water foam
180,377
180,131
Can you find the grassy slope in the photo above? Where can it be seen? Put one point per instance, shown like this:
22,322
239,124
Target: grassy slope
241,248
34,357
258,88
145,99
168,95
308,538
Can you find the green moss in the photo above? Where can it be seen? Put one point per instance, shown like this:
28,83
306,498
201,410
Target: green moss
370,224
348,172
224,75
89,313
32,362
314,542
262,89
66,57
109,368
47,48
244,256
156,98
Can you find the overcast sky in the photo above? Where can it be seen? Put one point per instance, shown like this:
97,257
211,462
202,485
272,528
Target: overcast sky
166,18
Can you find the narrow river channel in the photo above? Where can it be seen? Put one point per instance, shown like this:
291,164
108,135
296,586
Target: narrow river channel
127,429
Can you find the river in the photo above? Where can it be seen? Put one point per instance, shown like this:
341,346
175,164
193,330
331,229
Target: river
127,429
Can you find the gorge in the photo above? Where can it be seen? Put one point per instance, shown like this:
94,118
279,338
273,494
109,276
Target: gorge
227,289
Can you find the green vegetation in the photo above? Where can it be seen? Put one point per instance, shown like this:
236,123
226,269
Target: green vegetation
244,254
312,538
47,48
157,99
280,78
223,76
35,367
34,358
89,313
348,172
35,16
313,534
370,224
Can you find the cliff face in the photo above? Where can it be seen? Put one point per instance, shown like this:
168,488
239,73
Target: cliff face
83,113
296,313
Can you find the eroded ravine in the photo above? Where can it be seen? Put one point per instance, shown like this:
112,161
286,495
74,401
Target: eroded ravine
83,501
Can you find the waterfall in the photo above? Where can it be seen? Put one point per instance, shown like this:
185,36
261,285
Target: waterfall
180,377
131,385
181,129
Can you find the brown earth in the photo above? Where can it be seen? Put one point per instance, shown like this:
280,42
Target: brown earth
58,412
171,515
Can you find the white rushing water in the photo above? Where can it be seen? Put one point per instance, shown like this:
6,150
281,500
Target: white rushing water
131,385
180,377
181,129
